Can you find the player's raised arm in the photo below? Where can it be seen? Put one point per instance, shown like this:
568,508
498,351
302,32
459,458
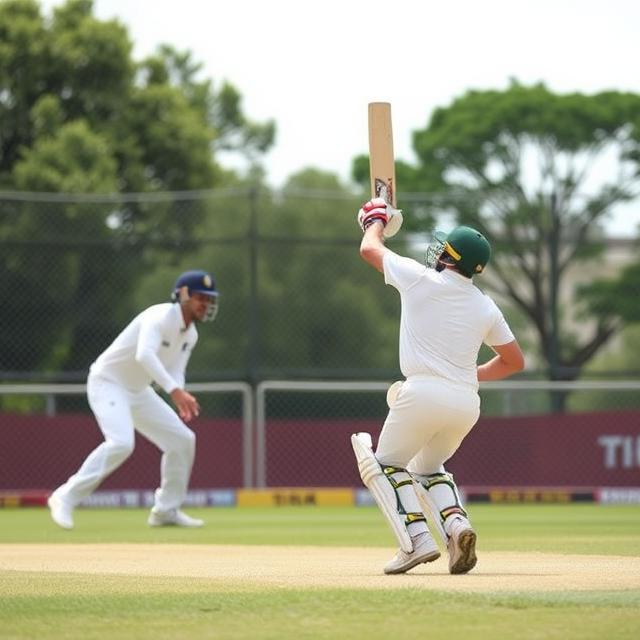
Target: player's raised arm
373,217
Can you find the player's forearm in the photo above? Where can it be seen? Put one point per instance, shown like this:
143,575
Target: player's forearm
497,369
178,371
372,246
155,370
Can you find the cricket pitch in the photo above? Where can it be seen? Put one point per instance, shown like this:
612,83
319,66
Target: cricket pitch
314,566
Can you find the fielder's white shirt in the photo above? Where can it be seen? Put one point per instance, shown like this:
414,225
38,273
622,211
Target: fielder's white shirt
444,320
154,346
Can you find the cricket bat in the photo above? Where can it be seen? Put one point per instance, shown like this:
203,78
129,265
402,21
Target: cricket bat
382,168
381,160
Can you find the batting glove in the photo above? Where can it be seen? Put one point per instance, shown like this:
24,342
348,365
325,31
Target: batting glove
378,209
371,211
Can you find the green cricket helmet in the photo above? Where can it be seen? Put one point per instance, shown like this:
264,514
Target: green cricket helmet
464,247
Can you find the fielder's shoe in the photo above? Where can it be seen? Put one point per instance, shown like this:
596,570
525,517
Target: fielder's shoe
425,549
462,550
173,517
61,511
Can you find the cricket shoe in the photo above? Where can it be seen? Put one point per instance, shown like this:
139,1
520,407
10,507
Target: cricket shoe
61,511
462,549
425,549
173,517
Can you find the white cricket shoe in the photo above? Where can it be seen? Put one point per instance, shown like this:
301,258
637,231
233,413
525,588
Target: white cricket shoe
425,549
462,549
173,517
61,511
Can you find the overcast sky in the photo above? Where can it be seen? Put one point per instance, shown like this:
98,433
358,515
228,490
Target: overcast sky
314,66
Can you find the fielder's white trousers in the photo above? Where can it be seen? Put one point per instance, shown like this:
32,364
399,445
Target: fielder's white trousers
119,413
426,424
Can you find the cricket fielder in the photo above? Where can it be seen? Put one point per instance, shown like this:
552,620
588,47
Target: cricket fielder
154,347
444,321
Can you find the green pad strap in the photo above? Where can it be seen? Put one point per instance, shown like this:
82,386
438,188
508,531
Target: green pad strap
389,472
415,517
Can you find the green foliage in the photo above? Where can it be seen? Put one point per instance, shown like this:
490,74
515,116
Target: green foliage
615,296
160,120
309,306
70,161
408,180
325,282
78,115
620,360
481,153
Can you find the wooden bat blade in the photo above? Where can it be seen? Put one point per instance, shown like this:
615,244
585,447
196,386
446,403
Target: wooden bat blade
381,159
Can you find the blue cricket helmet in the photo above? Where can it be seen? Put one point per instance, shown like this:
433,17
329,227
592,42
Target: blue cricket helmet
197,281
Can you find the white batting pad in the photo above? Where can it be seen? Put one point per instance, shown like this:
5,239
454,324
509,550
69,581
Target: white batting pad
430,510
439,492
383,493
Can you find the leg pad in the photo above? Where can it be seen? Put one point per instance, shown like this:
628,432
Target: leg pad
383,482
439,496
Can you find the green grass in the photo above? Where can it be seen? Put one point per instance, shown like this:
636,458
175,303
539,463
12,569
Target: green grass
125,607
560,528
66,605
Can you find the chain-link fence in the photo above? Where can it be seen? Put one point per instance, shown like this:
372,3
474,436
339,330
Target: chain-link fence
298,304
296,299
40,449
298,436
303,431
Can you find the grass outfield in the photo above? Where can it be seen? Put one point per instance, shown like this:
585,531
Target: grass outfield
70,584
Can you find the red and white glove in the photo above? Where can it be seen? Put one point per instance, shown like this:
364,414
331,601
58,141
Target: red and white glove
378,209
371,211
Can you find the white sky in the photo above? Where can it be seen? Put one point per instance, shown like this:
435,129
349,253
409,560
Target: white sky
314,66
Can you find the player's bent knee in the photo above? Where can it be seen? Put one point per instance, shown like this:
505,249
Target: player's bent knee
119,450
184,444
189,440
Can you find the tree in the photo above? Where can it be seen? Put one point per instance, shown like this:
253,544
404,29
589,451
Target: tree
79,115
615,296
41,284
522,165
322,307
296,299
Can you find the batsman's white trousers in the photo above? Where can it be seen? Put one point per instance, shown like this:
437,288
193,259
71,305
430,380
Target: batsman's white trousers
119,412
426,424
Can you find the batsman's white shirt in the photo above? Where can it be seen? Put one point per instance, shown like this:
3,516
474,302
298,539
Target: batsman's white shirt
154,346
444,320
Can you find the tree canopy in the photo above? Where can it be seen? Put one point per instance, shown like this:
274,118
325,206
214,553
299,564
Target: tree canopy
156,120
79,115
524,166
103,135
